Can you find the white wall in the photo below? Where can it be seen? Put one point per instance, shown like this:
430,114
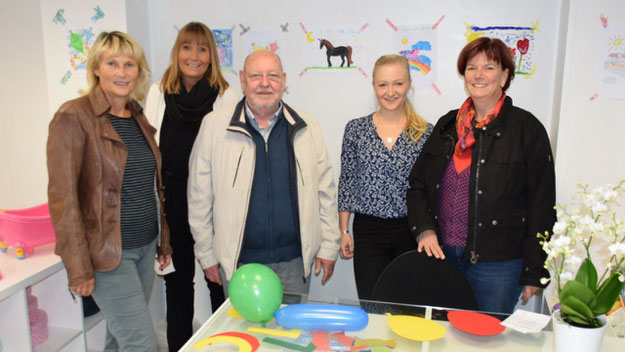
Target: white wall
591,145
24,115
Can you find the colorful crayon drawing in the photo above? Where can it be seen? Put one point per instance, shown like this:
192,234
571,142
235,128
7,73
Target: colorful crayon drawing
69,30
99,14
520,41
223,39
615,62
612,62
79,43
274,41
271,47
333,49
66,77
418,44
417,59
58,18
345,52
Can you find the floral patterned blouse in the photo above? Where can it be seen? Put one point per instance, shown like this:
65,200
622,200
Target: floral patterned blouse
374,180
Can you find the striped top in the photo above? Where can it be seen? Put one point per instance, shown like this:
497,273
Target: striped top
139,220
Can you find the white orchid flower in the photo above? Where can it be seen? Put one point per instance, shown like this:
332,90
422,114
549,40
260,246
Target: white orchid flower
559,227
610,195
566,276
617,249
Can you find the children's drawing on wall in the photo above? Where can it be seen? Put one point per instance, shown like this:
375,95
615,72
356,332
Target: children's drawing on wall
520,41
418,45
78,43
98,14
612,62
344,52
223,40
271,40
69,31
332,49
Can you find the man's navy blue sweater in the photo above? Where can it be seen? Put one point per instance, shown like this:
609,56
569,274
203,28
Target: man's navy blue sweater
271,229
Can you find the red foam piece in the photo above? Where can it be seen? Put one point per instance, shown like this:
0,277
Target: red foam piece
321,341
475,323
342,339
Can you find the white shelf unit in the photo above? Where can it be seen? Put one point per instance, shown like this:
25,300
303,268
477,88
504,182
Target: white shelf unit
44,272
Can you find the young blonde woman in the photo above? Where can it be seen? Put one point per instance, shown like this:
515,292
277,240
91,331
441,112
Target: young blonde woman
378,151
191,87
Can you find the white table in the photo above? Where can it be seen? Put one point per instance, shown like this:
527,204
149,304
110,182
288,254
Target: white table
453,340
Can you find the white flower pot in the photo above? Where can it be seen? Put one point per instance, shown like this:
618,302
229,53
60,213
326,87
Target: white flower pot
570,338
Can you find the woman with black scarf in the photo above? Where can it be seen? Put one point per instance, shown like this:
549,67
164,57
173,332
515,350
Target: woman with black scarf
191,87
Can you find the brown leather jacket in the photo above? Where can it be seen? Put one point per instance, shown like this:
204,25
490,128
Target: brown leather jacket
86,161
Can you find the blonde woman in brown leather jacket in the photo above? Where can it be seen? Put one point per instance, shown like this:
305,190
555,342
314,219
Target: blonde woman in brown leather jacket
105,192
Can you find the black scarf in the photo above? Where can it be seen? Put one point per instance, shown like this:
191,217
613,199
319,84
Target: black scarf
187,109
181,123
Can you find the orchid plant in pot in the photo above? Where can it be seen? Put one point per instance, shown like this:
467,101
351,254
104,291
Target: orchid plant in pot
589,224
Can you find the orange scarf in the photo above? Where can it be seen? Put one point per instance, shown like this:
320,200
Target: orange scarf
464,127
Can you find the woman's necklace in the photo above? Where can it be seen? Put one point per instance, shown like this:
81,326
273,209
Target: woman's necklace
388,131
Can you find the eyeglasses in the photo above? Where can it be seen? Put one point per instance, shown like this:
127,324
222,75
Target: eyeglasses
272,76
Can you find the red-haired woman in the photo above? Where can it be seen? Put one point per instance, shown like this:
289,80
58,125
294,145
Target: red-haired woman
484,185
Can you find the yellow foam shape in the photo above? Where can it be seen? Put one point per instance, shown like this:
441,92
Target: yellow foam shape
415,328
233,313
293,334
375,342
244,346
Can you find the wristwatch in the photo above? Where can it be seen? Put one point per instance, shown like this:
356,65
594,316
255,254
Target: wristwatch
345,232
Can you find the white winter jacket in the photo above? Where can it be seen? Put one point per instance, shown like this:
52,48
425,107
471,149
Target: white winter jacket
221,171
155,105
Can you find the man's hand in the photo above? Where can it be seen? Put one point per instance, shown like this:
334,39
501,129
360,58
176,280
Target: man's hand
212,274
84,289
327,266
428,241
164,260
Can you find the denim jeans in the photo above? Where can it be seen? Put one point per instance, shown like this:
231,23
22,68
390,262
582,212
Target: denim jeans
122,295
495,284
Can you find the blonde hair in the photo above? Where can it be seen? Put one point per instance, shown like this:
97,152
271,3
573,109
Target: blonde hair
199,33
116,43
416,124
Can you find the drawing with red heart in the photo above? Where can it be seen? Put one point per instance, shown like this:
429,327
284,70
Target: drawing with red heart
523,46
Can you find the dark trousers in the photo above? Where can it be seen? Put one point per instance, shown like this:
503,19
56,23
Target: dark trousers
377,242
179,284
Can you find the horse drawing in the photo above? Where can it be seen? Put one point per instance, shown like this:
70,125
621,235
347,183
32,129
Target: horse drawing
342,51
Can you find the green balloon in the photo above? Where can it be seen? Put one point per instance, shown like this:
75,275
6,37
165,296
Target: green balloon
255,291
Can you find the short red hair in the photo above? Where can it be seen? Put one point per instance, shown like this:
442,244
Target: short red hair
494,49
